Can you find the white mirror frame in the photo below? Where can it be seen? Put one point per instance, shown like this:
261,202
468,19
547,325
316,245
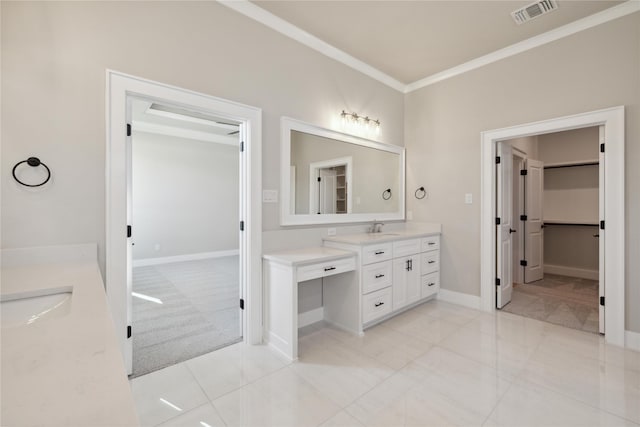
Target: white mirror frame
287,218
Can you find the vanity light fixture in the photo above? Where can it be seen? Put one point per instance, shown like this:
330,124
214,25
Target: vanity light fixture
357,119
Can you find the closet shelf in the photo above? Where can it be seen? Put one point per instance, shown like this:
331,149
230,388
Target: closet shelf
572,164
570,223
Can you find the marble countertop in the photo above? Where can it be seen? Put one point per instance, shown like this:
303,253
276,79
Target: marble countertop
65,371
303,256
386,236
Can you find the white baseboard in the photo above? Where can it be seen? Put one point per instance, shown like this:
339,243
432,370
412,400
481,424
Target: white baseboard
181,258
309,317
632,340
465,300
571,272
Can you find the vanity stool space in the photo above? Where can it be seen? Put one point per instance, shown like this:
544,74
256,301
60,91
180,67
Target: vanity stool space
394,272
283,271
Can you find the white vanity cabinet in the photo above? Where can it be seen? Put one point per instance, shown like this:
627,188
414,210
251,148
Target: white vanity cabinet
394,271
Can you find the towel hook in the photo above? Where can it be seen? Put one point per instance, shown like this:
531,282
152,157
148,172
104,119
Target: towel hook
33,162
420,193
386,194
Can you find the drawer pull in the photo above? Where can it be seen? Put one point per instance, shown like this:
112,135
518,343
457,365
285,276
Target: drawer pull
378,304
431,262
379,252
431,243
329,268
431,284
379,276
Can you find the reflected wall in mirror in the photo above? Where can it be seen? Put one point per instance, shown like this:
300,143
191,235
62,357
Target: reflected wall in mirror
331,177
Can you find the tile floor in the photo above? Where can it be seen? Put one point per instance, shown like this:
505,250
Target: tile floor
563,300
438,364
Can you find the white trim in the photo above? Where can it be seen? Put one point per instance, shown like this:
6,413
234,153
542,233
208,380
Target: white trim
614,188
632,340
118,91
571,271
288,124
310,317
138,126
465,300
278,24
144,262
270,20
585,23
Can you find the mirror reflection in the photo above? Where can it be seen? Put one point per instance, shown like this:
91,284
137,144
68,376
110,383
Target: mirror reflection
330,176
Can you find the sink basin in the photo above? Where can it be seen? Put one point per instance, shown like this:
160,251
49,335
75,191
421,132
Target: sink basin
26,310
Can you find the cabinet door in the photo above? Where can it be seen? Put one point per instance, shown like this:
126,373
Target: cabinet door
406,281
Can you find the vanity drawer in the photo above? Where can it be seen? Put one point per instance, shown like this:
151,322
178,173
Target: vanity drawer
376,253
406,247
430,262
376,304
430,284
324,269
376,276
430,243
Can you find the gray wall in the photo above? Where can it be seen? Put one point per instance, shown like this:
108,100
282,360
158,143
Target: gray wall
54,57
590,70
185,196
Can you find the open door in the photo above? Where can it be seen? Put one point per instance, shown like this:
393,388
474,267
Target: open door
601,235
327,191
533,227
504,225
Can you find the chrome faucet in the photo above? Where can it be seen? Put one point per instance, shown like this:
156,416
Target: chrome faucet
376,227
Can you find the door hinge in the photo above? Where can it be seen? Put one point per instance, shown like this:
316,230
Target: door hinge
241,303
602,301
241,225
523,217
523,262
497,282
602,147
241,146
128,231
128,129
497,160
602,225
129,331
523,172
497,221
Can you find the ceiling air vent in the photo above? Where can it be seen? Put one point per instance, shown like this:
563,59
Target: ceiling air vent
533,10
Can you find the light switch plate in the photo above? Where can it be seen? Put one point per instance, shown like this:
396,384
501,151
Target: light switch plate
468,198
269,196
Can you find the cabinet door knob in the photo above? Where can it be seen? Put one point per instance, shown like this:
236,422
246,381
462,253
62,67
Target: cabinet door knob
432,262
431,284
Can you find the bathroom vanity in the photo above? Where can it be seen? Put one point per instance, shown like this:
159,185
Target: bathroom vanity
366,278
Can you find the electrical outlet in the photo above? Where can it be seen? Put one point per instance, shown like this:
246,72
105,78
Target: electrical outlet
468,198
331,232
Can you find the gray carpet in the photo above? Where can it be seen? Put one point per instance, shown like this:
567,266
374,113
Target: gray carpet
563,300
199,311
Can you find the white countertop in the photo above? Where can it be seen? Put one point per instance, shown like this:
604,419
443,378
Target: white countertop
66,371
303,256
386,236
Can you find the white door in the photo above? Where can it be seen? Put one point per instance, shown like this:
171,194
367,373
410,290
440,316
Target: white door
534,236
327,191
128,350
601,235
504,209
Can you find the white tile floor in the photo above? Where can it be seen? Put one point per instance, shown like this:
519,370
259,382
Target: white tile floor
438,364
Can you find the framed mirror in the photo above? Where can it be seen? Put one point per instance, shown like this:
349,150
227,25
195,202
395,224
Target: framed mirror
328,177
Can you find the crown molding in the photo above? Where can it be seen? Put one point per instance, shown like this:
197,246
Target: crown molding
270,20
623,9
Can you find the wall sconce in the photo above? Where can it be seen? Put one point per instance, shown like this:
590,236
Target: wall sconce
360,120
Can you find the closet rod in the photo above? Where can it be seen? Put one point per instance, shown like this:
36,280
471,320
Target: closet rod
572,165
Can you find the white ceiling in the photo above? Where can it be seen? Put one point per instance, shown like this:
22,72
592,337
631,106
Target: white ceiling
412,40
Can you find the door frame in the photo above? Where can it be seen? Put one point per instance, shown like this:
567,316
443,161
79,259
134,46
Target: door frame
614,189
314,170
119,88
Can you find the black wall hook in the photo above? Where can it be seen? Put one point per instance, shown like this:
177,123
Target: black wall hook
33,162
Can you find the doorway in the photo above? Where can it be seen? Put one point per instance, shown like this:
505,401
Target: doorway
554,232
185,193
121,90
612,267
